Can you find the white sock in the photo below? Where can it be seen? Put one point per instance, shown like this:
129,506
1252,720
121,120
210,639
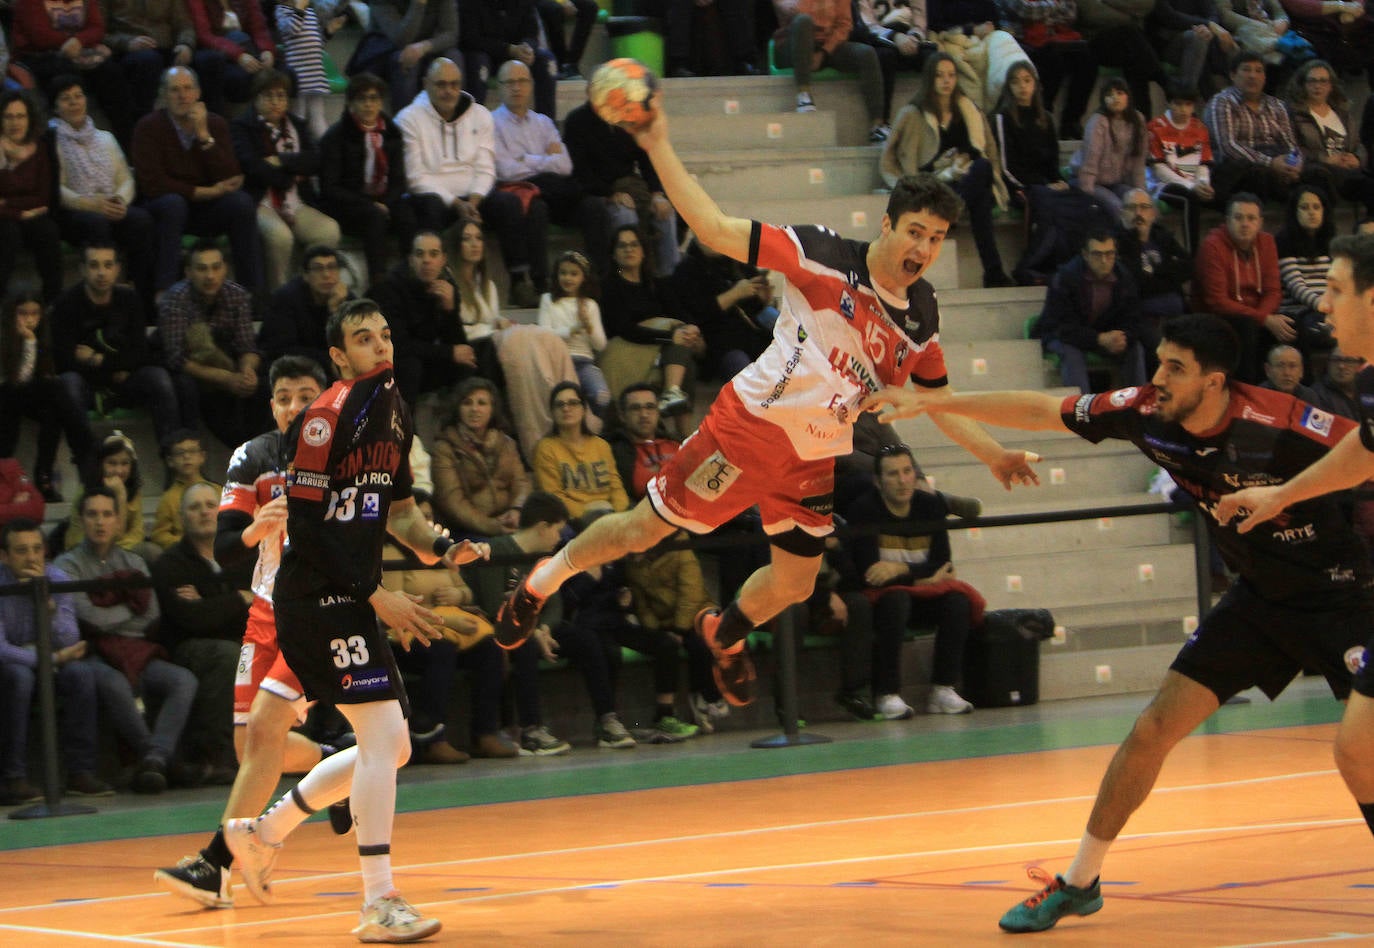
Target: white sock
376,876
1087,864
328,782
383,745
550,575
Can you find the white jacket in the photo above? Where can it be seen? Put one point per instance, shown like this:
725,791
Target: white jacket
451,159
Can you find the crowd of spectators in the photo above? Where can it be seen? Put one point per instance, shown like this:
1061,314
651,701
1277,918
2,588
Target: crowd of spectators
209,190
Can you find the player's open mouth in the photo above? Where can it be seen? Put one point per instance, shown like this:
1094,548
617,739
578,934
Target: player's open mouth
913,267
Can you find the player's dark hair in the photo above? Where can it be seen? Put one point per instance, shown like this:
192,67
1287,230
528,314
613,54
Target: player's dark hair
296,367
542,507
1211,341
96,490
353,311
1359,250
17,526
924,192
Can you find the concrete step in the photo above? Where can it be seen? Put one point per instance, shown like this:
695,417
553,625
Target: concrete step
1076,675
980,543
803,174
1101,476
777,132
1054,579
994,364
1004,318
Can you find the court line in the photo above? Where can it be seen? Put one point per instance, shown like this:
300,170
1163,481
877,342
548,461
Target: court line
1334,936
744,870
121,939
727,834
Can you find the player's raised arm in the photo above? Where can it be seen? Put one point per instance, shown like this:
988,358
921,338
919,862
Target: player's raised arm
407,523
1346,465
727,235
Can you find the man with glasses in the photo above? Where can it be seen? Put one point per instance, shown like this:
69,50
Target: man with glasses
301,307
1337,391
1154,258
450,149
1093,308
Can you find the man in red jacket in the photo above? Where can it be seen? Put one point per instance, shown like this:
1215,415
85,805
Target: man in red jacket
189,181
1237,277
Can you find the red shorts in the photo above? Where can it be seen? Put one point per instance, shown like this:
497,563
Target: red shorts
261,665
734,461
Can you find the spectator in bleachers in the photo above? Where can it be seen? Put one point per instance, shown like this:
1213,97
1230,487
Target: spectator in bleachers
1341,31
902,29
730,302
943,131
422,302
51,39
573,464
116,470
100,343
1116,34
618,178
1303,245
28,192
570,311
279,159
19,496
813,35
300,308
1320,113
1259,27
31,388
529,152
450,144
148,36
206,326
6,83
1093,308
96,185
910,580
638,445
493,31
1283,371
884,42
236,32
568,54
363,174
1179,167
203,618
644,331
1048,31
1156,261
719,45
302,35
184,456
1236,276
117,622
1111,158
478,305
1026,141
1252,136
1336,391
406,37
22,560
190,182
480,483
1188,35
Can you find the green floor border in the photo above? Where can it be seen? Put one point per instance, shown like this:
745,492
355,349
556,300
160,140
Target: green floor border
628,772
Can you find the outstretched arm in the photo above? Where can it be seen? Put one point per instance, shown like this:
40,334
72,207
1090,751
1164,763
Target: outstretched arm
406,523
1347,464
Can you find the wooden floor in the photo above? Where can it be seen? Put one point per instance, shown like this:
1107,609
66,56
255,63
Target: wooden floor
1249,839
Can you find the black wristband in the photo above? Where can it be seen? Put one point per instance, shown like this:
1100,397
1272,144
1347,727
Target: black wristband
442,545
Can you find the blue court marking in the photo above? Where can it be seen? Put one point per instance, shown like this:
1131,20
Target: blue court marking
475,888
84,898
986,882
331,895
853,885
1116,882
727,885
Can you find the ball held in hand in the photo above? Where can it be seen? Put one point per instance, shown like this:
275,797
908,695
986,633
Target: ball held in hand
620,91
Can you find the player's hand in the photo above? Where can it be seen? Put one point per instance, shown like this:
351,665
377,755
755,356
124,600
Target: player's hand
656,132
1254,505
466,551
897,401
406,618
1014,467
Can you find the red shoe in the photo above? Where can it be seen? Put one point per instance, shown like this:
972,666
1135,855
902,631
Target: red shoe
519,614
732,666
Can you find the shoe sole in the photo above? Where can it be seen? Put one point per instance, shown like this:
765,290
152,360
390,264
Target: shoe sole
545,752
377,935
745,664
1092,908
508,633
617,745
187,891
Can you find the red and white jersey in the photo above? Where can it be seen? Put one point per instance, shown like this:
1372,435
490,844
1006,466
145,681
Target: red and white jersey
837,339
254,478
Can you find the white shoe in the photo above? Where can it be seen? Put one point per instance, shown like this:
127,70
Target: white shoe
255,858
893,708
673,401
945,700
805,103
393,920
708,714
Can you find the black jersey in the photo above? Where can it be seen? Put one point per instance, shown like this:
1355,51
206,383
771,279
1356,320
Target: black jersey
1307,557
348,459
1364,393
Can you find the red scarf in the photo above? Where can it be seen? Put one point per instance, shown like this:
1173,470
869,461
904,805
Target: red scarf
375,186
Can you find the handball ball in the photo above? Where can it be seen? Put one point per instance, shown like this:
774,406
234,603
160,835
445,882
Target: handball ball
620,91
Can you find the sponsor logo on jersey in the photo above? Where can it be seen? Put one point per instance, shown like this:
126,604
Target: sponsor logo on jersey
1317,421
1261,417
846,305
821,503
801,334
317,431
781,386
853,278
1203,452
372,505
1303,534
713,477
335,600
1083,409
1120,399
1355,659
374,456
365,681
309,479
852,368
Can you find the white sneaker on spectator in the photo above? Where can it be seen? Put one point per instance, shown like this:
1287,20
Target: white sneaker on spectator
945,700
610,733
805,103
893,708
707,714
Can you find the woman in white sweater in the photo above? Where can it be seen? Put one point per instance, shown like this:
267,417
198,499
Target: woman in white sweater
571,312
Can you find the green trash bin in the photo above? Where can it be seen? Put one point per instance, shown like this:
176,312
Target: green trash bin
638,37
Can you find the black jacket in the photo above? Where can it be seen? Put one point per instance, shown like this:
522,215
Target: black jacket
253,146
1168,274
294,324
117,330
603,154
1066,314
418,326
343,155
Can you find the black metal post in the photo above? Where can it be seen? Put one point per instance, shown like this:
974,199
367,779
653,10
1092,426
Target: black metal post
785,643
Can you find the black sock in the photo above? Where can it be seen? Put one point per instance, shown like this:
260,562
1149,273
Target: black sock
217,853
1367,811
734,625
664,711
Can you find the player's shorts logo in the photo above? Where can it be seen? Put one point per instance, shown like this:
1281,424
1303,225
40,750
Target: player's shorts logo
712,477
317,431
